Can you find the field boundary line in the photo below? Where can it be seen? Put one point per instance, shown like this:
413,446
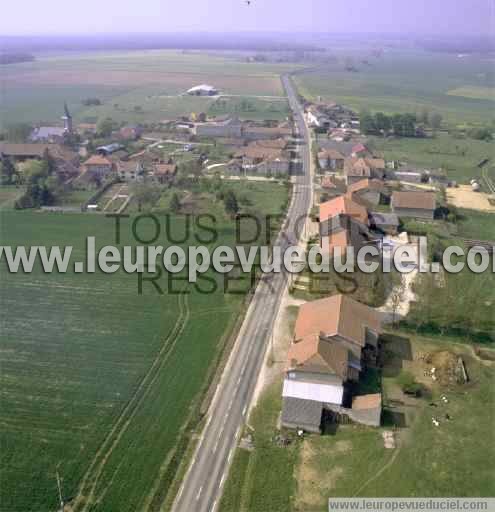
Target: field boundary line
133,402
170,344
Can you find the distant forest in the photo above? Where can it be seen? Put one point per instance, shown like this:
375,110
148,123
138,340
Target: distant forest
12,58
194,41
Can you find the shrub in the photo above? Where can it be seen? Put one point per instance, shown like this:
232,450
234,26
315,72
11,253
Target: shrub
408,384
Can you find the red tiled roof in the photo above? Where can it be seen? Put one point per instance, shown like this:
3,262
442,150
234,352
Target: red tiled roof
419,200
97,160
343,205
337,315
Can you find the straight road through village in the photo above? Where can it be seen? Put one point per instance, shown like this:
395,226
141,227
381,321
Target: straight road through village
202,485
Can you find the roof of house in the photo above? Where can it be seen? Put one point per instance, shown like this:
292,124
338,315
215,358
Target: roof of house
343,205
364,184
343,233
362,166
259,152
384,219
128,165
328,182
373,401
268,130
315,354
45,132
97,160
337,315
315,391
331,154
164,169
279,143
359,148
300,412
23,150
416,200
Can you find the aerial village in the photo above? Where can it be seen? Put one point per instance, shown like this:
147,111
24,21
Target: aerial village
359,198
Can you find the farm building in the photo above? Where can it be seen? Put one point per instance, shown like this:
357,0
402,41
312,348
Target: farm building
98,166
334,339
386,222
343,223
109,148
328,188
356,169
368,191
343,205
410,176
318,119
203,90
421,205
262,160
229,127
331,159
254,132
22,152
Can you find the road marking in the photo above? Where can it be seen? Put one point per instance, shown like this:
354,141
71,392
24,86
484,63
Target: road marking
244,410
199,493
222,480
180,491
230,454
214,506
216,445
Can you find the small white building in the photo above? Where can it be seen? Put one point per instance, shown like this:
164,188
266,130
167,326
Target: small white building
203,90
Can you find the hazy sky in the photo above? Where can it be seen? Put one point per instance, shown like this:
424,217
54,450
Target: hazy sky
103,16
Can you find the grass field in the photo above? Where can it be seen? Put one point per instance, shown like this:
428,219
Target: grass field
462,90
353,461
98,380
476,225
148,80
459,157
8,195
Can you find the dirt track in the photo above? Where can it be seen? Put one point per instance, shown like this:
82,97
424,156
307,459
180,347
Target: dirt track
464,197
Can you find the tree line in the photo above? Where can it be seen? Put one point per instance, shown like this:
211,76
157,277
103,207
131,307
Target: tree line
401,125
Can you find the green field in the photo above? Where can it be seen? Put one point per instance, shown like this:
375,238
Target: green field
97,380
409,81
141,86
459,157
8,195
476,225
352,460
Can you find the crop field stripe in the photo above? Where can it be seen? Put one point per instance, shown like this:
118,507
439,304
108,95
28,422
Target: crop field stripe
158,363
130,410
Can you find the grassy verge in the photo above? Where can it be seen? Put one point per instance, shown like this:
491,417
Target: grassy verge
262,479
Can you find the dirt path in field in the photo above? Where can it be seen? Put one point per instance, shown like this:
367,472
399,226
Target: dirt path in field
465,197
86,495
381,470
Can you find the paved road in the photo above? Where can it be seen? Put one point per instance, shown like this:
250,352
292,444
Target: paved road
202,486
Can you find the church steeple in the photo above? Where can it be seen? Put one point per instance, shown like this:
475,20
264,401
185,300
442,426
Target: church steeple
67,119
